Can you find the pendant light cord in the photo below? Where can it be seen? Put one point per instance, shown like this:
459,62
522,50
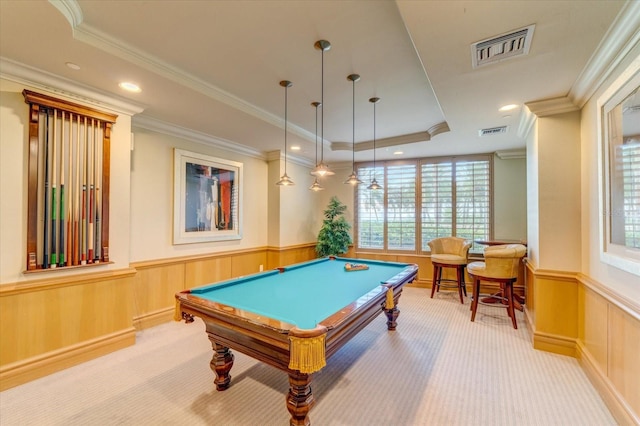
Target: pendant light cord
353,128
322,116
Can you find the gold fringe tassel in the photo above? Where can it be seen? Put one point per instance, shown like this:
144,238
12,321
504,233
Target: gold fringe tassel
389,304
307,354
177,313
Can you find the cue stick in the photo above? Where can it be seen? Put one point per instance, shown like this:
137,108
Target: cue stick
83,230
45,243
62,172
76,201
70,195
98,174
54,179
92,158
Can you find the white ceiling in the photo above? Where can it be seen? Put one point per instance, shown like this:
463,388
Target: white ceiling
213,67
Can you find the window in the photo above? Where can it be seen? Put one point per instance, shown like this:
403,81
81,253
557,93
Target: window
422,200
631,187
618,112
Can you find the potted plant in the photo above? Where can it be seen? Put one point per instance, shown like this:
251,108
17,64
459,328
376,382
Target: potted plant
334,237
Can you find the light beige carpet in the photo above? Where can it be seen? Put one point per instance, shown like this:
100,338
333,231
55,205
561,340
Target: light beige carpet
438,368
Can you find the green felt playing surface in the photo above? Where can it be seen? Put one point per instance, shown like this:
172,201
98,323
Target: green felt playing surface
303,294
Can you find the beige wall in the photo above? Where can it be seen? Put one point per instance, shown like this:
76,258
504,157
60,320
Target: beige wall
299,208
510,198
152,198
559,191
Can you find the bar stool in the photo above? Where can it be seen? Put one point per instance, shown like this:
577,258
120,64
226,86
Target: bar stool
449,252
500,265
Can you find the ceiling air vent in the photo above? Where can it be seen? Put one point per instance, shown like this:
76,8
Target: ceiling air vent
502,47
492,131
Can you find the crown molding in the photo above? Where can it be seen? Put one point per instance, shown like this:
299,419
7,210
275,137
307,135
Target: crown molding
527,119
553,106
64,88
393,140
87,34
70,9
163,127
279,155
512,154
622,36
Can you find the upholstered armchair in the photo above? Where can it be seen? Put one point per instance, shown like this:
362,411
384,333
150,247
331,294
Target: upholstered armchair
449,252
501,264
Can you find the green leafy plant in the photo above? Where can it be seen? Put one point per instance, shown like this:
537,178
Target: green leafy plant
334,237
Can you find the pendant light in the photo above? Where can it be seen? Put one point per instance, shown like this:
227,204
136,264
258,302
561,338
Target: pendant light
316,186
374,182
353,177
284,179
322,169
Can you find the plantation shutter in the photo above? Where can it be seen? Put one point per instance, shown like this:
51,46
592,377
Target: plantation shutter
472,185
401,206
370,213
437,202
631,188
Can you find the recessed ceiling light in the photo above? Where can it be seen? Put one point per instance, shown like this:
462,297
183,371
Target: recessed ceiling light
398,152
73,66
508,107
295,148
130,87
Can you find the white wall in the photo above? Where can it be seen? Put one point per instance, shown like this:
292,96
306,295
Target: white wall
510,198
13,188
335,186
152,198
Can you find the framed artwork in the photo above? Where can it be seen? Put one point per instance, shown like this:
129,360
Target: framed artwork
619,171
206,198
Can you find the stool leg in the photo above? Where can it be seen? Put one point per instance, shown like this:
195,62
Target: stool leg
508,287
464,284
435,279
476,296
460,276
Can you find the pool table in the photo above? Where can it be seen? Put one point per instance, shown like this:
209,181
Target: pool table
294,318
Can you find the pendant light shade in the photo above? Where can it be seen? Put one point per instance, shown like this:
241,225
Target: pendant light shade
353,177
316,186
374,183
322,169
285,180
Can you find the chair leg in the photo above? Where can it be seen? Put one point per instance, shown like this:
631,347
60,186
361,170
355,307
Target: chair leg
460,277
435,279
464,284
476,296
508,287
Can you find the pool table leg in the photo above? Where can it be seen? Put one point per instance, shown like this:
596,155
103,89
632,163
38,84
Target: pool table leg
300,399
392,315
221,364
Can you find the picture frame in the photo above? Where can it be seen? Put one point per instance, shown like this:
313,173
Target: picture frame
618,121
207,198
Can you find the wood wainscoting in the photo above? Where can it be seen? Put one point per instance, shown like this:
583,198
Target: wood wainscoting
572,314
51,324
157,281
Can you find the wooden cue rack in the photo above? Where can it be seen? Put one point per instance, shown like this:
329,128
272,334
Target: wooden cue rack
68,184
